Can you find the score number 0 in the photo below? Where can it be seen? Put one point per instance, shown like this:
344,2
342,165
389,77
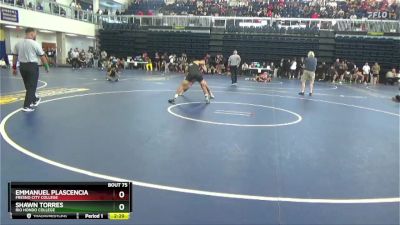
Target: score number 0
121,194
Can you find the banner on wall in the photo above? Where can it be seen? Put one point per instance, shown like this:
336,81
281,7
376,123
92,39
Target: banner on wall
381,15
10,15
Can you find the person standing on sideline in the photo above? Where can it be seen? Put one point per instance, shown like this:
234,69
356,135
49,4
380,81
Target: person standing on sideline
366,71
234,63
310,65
103,59
293,68
27,52
376,69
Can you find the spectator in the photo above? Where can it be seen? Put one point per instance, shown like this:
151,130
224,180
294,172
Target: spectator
245,68
73,6
90,59
103,59
376,68
39,7
69,56
49,55
164,61
281,68
358,75
149,65
299,67
79,11
274,70
75,57
342,71
293,67
286,64
207,59
167,61
20,3
82,59
182,63
96,57
322,71
332,73
339,71
366,71
157,61
219,61
391,77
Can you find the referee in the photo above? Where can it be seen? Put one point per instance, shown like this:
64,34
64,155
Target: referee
27,52
234,63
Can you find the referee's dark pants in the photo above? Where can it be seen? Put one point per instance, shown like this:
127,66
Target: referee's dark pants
234,72
30,75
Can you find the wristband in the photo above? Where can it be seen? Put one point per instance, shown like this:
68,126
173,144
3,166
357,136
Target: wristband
14,67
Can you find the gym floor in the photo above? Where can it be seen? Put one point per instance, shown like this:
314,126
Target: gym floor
258,154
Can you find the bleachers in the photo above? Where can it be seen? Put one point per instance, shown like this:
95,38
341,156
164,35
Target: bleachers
129,42
385,51
254,44
126,39
145,7
255,47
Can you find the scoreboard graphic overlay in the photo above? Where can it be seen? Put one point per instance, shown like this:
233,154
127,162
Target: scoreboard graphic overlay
70,200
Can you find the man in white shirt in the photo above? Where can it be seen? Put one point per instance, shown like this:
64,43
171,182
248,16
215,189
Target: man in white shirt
366,71
75,56
245,69
293,68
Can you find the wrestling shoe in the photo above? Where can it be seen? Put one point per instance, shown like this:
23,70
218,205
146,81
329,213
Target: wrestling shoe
28,109
207,100
301,93
36,103
171,101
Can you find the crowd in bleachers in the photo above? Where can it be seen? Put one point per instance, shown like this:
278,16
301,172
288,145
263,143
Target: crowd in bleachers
269,8
245,8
